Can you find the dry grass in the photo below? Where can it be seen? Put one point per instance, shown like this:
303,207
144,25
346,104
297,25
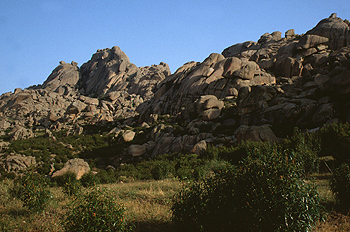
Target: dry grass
148,203
148,207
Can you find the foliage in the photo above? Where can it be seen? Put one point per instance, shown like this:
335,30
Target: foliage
308,145
162,169
336,141
32,189
340,184
71,186
105,177
89,179
95,210
265,193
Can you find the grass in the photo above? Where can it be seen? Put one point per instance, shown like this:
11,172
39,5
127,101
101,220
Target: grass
148,203
148,206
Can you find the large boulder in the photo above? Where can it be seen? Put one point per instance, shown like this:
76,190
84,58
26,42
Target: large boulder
64,74
209,107
186,143
333,28
136,150
77,166
200,147
128,135
255,133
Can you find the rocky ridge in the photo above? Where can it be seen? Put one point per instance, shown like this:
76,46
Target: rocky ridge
252,90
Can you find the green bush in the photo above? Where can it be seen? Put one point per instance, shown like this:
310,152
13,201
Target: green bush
32,189
162,169
95,210
308,145
105,177
340,184
237,153
71,186
89,179
336,142
265,192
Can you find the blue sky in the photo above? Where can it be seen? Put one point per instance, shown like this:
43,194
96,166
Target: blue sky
35,35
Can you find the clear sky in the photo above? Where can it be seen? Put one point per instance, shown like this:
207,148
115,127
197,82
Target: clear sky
35,35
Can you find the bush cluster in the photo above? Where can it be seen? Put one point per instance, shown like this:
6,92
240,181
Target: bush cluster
266,192
71,186
95,210
340,184
33,190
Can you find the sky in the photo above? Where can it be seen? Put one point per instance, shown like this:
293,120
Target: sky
35,35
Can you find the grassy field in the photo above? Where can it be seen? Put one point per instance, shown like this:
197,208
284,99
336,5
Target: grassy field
148,206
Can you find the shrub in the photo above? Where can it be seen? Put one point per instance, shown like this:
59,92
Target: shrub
265,193
128,170
340,184
237,153
71,186
106,177
336,141
32,189
162,169
89,179
308,145
95,210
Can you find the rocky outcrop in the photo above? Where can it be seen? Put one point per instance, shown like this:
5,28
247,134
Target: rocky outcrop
16,163
255,133
111,70
19,133
180,144
217,76
251,91
64,75
335,29
77,166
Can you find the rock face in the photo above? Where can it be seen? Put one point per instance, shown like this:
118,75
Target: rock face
251,91
78,166
19,132
217,76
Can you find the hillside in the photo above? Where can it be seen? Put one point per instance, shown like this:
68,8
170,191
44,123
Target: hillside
254,91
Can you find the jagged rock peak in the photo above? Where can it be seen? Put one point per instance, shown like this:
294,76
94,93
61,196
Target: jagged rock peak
115,53
63,74
111,70
335,29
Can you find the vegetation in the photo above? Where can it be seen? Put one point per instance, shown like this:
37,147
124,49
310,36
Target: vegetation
340,184
265,192
95,210
250,186
32,189
71,186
